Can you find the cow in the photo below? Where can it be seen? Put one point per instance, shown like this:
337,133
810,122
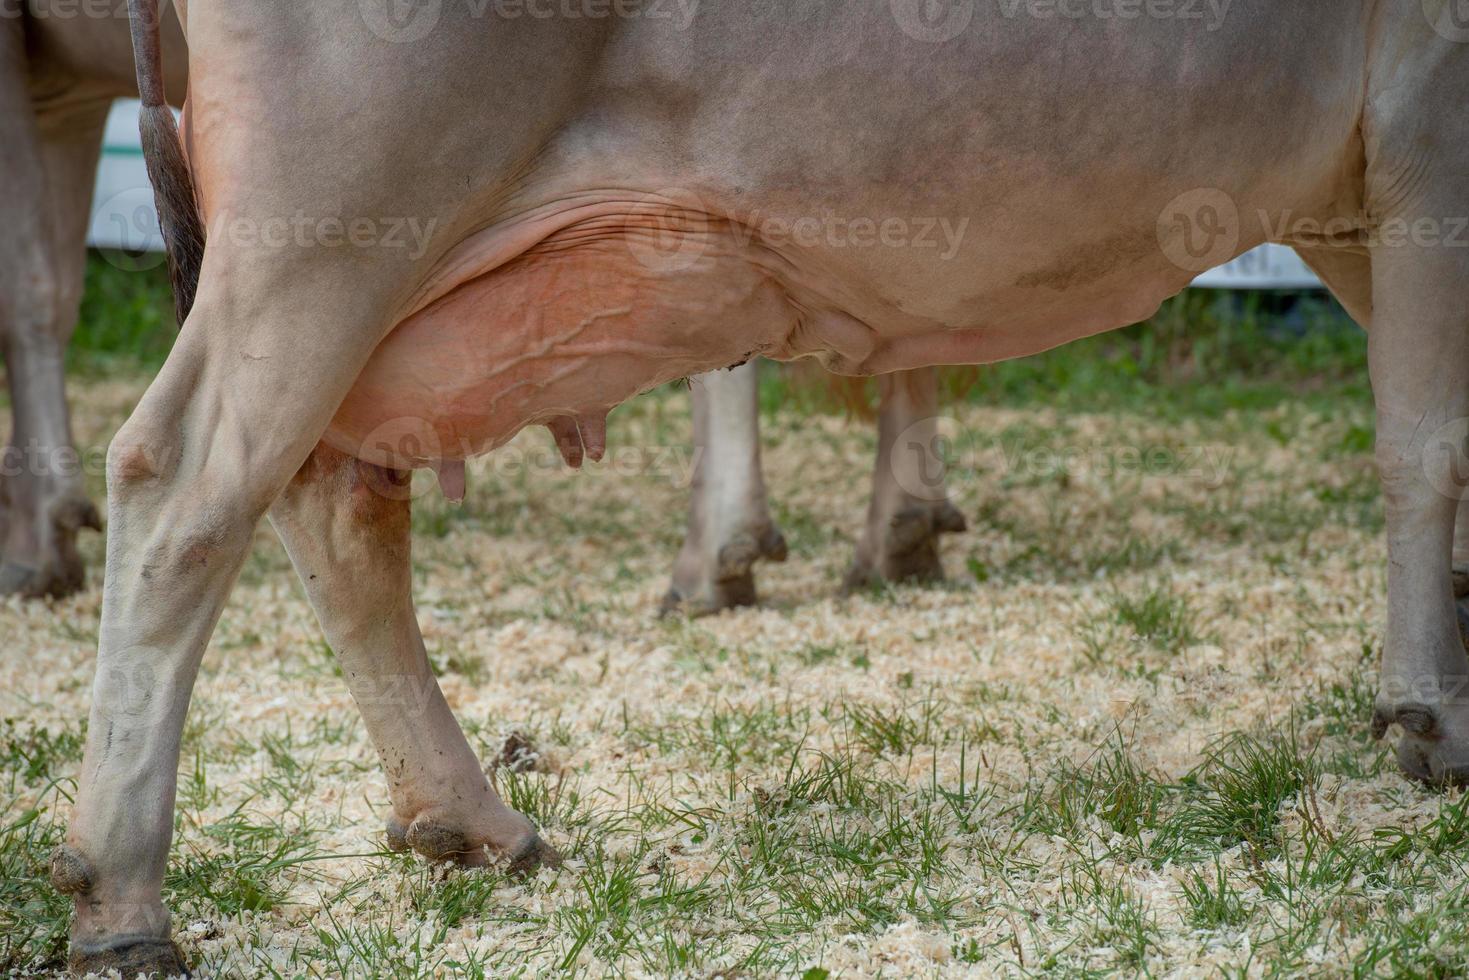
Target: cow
60,69
730,527
612,202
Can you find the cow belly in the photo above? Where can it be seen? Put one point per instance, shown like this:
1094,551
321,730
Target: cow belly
592,315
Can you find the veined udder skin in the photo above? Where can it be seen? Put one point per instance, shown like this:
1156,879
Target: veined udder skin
591,316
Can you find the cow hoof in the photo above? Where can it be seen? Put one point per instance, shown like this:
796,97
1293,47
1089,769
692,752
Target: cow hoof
531,857
437,842
730,583
1434,745
146,957
56,580
434,841
908,549
55,569
1461,609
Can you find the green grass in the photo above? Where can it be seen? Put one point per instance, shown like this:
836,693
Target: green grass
127,320
1160,617
805,840
801,787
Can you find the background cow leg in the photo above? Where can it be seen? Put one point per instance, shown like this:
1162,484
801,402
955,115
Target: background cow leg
346,525
729,519
1461,570
910,506
244,398
49,169
1419,357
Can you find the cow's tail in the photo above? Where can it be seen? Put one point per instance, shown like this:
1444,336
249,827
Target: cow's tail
173,185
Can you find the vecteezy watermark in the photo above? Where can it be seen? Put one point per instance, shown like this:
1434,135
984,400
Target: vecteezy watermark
1424,231
935,452
834,231
1202,228
671,230
301,230
409,21
933,21
1209,14
129,219
413,443
1207,465
1447,690
1199,229
401,21
46,461
1450,18
65,9
680,12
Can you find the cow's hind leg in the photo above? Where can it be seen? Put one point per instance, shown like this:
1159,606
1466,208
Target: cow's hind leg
730,528
1419,357
346,526
245,396
910,508
49,166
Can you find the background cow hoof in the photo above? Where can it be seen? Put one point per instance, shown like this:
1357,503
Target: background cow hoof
1434,745
56,579
906,549
1461,602
728,581
148,957
42,561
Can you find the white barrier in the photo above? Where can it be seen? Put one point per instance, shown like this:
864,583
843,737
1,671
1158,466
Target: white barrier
123,217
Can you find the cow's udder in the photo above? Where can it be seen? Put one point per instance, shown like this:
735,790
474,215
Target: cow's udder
592,315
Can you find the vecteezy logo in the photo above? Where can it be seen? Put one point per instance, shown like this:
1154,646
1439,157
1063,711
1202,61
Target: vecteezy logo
932,21
1450,18
921,456
1446,459
132,695
394,448
1199,229
401,21
668,231
127,224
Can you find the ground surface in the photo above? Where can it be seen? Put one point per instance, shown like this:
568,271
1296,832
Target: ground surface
1130,736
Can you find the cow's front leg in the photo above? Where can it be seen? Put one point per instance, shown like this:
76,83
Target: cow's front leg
910,508
730,528
1419,358
346,526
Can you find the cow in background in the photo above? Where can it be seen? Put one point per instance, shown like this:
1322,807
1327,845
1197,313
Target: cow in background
60,70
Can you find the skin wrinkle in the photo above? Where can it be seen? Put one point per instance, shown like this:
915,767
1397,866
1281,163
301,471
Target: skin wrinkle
579,291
